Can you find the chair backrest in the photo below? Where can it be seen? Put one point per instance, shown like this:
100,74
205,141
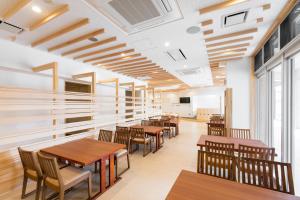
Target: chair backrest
137,133
50,167
122,128
158,123
122,137
267,174
217,147
105,135
216,131
256,152
30,161
145,122
218,165
240,133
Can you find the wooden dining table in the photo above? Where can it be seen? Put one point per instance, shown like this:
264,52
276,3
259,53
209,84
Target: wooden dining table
152,131
235,141
193,186
86,152
174,122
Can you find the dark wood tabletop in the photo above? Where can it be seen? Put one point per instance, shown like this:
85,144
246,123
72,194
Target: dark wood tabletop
193,186
236,141
84,151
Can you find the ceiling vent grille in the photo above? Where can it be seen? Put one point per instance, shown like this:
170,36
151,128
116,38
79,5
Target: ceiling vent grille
176,55
236,18
191,71
135,15
10,28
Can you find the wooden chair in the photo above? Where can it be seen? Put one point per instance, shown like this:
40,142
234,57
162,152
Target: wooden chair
256,152
32,170
218,165
105,135
138,136
145,122
122,128
61,180
267,174
216,131
167,128
240,133
122,137
222,148
158,123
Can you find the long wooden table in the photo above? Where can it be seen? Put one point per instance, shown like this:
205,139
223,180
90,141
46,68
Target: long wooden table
152,131
235,141
193,186
86,152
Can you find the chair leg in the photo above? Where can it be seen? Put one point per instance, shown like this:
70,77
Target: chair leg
25,180
44,191
198,167
38,188
96,167
128,162
90,186
116,164
61,195
144,153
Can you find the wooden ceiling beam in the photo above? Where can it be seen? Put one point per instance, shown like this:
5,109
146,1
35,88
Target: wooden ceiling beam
128,65
225,60
228,47
60,32
146,71
135,67
154,68
109,55
123,62
220,6
101,51
229,35
226,56
77,39
207,22
229,42
96,44
226,52
56,13
11,11
104,62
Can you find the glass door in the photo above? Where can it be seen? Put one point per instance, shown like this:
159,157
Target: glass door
262,128
276,110
296,121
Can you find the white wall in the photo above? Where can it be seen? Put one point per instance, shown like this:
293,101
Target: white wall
238,78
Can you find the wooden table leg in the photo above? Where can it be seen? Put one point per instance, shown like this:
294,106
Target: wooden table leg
111,169
102,172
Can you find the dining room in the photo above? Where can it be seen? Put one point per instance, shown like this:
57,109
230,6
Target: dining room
149,99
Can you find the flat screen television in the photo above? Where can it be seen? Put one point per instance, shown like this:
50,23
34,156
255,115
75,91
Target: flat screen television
184,100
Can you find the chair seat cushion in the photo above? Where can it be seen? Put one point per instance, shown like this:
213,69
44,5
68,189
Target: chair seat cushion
141,140
32,174
121,152
70,177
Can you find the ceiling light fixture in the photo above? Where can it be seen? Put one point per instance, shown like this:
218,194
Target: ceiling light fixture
184,66
193,30
122,54
36,9
167,44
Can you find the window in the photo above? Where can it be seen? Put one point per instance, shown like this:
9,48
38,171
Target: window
296,121
276,103
290,27
262,109
258,60
271,47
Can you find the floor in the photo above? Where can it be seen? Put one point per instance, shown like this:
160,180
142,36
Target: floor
151,177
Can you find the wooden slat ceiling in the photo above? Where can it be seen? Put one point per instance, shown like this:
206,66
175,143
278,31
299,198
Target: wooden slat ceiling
224,47
107,53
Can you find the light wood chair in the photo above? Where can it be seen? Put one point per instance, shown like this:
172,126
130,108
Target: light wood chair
256,152
267,174
122,138
216,131
105,135
145,122
222,148
218,165
32,170
167,128
61,180
122,128
138,136
240,133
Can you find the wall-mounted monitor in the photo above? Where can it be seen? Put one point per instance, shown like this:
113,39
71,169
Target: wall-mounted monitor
185,100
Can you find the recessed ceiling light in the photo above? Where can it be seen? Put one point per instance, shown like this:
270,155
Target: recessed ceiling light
167,44
122,54
93,39
36,9
193,30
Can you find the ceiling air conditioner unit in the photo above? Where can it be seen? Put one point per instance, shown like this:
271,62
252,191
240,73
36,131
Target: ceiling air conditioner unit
10,27
136,15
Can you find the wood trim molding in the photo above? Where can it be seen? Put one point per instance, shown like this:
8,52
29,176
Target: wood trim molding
123,62
128,65
219,6
135,67
110,55
118,59
239,33
99,43
56,13
14,9
101,51
207,32
224,60
60,32
207,22
229,47
50,66
76,40
279,19
230,42
116,81
91,75
211,59
225,52
266,6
